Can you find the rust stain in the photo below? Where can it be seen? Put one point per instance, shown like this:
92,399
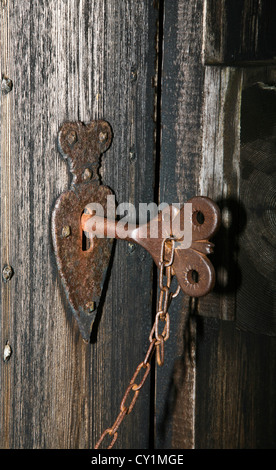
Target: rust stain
82,271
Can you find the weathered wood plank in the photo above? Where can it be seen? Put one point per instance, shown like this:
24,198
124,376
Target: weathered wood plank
181,119
234,388
201,154
6,197
72,60
256,301
239,32
219,179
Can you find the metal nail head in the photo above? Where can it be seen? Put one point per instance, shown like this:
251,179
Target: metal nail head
66,231
132,155
90,307
7,273
87,174
103,137
72,138
133,75
131,247
7,352
6,86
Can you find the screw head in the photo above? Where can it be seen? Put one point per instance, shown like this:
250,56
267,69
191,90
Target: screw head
103,136
72,138
6,85
87,174
90,307
66,231
7,273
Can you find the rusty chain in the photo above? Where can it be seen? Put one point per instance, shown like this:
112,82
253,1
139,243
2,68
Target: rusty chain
156,339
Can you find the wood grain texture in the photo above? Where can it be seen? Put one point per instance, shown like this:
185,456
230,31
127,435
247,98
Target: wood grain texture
72,60
219,178
256,301
234,388
6,197
181,143
239,32
201,154
89,59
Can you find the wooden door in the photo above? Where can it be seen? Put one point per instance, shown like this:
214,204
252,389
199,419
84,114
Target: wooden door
218,116
191,108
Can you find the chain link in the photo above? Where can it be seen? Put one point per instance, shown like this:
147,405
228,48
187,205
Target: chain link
156,340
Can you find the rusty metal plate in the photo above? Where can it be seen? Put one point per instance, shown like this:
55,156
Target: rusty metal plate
82,270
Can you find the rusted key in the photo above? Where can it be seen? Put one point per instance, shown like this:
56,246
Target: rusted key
191,266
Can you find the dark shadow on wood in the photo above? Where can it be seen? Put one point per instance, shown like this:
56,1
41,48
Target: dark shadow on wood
240,31
94,333
179,405
256,301
225,256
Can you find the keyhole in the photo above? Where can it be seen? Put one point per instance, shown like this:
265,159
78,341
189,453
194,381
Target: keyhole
198,218
86,242
193,277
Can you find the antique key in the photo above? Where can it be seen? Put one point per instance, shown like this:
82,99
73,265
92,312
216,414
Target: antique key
191,266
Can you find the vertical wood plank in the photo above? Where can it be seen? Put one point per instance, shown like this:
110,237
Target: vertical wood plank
235,392
200,154
73,60
256,301
181,143
239,32
6,197
219,179
129,171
